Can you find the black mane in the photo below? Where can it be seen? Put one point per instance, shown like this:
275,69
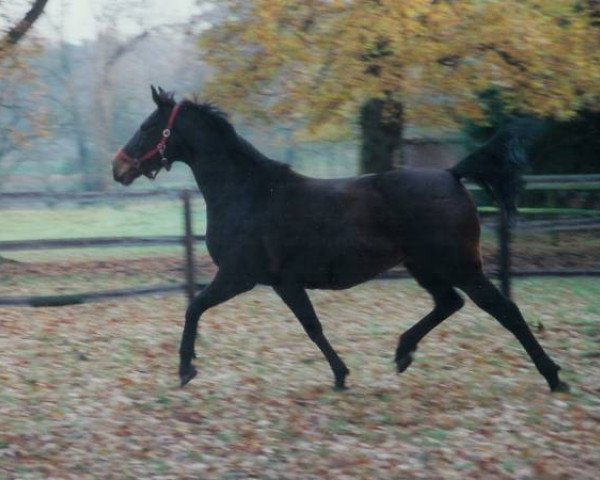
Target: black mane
220,122
217,117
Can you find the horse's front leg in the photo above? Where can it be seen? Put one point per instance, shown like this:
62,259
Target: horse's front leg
222,288
297,300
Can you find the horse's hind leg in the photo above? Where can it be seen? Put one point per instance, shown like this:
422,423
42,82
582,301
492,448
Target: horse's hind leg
489,298
446,302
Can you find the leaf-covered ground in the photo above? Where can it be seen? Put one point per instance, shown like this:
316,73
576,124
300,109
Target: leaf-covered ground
91,391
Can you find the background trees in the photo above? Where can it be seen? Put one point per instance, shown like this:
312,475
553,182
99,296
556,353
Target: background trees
314,69
67,104
15,32
324,64
17,121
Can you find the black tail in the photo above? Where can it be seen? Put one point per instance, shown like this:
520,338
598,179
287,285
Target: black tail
498,165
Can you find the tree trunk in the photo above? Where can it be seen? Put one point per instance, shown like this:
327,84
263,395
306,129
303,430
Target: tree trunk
381,122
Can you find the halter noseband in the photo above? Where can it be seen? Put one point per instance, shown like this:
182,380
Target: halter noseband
160,149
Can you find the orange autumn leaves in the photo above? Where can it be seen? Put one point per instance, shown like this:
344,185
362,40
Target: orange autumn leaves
316,61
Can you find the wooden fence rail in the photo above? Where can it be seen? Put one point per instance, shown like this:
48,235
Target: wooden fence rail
188,239
99,242
91,197
86,297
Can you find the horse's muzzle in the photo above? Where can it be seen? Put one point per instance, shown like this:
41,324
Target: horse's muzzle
123,171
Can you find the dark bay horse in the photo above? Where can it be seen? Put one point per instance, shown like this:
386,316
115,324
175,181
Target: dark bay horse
268,225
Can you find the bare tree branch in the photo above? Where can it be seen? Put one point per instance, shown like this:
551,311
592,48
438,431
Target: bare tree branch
504,55
124,48
18,31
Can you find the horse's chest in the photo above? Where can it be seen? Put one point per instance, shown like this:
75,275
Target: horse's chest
224,240
233,240
215,247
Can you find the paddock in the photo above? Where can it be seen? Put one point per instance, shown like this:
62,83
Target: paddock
91,389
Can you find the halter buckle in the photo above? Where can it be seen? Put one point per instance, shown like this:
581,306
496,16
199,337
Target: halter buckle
151,175
165,163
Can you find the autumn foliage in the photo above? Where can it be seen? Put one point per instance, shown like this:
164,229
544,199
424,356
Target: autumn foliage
319,60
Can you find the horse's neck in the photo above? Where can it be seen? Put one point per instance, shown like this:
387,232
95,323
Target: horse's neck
237,174
227,168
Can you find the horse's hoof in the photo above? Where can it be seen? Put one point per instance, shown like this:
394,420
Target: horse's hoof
340,380
340,387
403,362
562,387
187,374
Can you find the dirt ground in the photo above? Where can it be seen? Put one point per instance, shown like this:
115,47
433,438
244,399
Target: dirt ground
91,391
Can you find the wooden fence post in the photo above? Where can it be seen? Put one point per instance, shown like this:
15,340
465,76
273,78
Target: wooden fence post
504,238
190,281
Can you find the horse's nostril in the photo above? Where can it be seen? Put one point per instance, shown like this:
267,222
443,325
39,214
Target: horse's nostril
119,168
116,173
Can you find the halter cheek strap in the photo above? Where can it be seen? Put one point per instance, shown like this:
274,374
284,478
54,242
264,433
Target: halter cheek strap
159,149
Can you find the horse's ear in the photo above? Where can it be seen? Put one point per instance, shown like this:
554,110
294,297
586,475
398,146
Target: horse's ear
155,95
161,98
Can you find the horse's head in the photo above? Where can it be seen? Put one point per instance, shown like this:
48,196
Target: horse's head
146,152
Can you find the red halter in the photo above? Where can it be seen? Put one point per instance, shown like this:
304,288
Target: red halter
160,148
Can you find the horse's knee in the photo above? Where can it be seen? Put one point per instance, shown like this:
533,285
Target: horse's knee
193,312
448,303
454,303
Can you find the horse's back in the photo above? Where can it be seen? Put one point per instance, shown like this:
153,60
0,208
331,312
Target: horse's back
426,195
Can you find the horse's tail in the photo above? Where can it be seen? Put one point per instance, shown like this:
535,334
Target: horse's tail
498,165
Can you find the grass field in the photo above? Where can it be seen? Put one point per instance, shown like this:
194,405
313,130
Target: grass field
128,218
91,391
165,217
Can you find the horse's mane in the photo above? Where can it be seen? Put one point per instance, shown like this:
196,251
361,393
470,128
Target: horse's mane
220,121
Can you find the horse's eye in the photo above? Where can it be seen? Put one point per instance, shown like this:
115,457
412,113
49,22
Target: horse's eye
147,124
150,122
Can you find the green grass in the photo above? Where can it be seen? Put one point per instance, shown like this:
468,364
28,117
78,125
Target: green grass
100,254
122,219
528,212
134,219
165,217
127,218
119,219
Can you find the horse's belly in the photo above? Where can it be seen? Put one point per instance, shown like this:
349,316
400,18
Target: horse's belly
346,268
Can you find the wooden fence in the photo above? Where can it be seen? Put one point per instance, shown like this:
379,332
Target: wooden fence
189,239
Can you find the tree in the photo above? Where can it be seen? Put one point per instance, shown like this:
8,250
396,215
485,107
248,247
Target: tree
323,62
17,31
17,122
94,82
9,137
